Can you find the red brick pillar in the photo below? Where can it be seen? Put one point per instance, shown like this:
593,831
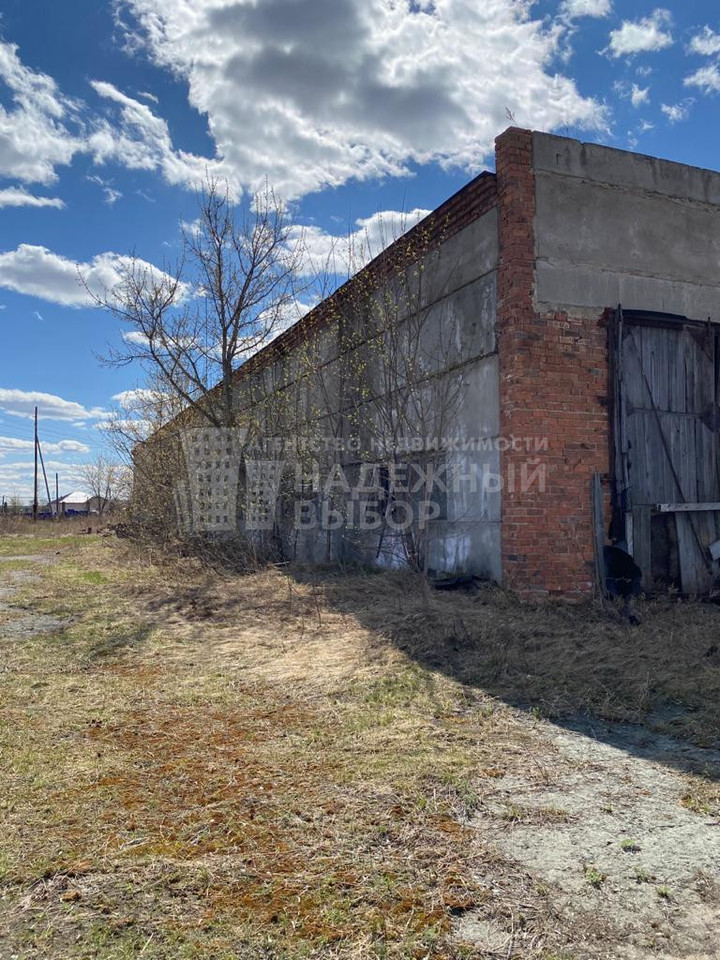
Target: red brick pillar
553,392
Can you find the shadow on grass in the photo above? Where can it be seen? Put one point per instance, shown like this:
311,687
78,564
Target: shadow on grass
121,641
651,690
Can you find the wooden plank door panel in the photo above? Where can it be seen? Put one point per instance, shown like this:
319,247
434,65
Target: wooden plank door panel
670,387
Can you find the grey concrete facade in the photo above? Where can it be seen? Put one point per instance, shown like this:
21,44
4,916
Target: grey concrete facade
616,227
456,342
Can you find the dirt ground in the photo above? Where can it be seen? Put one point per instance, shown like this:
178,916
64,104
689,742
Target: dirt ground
287,765
608,813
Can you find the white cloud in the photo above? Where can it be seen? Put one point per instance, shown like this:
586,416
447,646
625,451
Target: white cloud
312,93
339,254
634,135
19,197
43,129
140,140
639,95
573,9
192,228
130,399
13,444
67,446
706,44
112,195
22,403
676,112
641,36
707,79
307,93
636,94
39,272
134,336
35,131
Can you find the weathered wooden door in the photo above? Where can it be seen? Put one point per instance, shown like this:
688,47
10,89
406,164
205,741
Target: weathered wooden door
666,447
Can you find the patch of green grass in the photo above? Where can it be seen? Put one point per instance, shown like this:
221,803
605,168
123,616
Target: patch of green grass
93,576
15,563
702,796
399,689
642,876
630,846
17,546
513,813
516,813
595,877
665,893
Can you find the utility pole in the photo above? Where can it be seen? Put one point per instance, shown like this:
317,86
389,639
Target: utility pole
47,485
35,499
57,497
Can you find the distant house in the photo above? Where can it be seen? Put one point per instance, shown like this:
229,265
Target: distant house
77,503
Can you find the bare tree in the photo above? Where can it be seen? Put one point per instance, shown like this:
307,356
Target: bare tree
386,370
379,362
106,481
234,289
139,435
142,413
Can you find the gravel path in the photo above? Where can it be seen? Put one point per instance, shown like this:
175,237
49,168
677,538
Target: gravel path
605,829
17,623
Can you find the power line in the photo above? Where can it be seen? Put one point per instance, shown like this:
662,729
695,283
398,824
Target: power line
15,425
11,431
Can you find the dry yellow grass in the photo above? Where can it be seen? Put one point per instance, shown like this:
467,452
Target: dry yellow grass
24,527
283,764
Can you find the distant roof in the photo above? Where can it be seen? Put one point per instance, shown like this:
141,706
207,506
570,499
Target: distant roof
76,497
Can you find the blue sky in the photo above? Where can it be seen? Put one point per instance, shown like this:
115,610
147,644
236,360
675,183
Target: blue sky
112,113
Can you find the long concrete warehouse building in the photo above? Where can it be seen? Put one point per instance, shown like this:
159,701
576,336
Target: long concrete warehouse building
580,304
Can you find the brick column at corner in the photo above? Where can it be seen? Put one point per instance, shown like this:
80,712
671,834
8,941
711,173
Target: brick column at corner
553,386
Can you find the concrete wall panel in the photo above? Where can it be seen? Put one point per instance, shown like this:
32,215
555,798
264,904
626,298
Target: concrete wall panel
592,162
613,227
